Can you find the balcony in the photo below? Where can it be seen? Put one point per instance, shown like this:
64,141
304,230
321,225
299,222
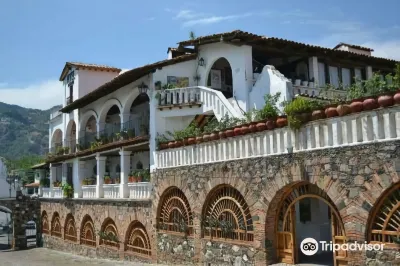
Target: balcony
319,92
111,191
141,190
89,191
55,192
354,129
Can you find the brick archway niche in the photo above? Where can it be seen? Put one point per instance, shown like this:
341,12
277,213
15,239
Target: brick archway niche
281,222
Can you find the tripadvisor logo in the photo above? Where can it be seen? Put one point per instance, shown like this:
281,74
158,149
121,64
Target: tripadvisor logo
310,246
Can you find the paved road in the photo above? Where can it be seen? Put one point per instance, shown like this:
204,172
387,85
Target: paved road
47,257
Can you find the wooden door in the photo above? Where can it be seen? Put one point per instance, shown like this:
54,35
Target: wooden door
338,237
286,237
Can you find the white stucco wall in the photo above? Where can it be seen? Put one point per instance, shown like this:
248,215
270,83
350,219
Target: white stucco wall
89,80
183,69
270,81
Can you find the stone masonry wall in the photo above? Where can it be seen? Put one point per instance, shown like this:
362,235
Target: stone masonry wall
353,178
23,210
121,212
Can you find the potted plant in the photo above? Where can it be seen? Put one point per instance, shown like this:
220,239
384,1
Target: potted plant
319,112
117,180
354,94
251,118
297,81
107,179
146,175
161,141
396,85
68,190
386,91
131,178
298,112
281,121
269,112
66,150
372,89
56,184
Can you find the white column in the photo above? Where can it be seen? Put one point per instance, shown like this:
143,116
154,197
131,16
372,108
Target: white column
76,178
101,168
313,68
125,168
124,118
53,176
368,71
153,130
42,175
64,176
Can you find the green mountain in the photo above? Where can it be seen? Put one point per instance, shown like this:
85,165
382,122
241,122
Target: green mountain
23,131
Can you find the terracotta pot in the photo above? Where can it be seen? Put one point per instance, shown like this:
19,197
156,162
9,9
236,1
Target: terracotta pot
385,100
178,143
206,137
253,127
163,146
318,114
238,131
343,109
214,136
245,129
107,181
222,134
370,104
331,112
139,179
171,144
134,179
229,133
270,124
199,139
185,141
356,106
261,126
396,98
281,121
191,141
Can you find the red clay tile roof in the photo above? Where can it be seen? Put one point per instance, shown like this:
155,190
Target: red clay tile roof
68,66
122,80
250,38
353,46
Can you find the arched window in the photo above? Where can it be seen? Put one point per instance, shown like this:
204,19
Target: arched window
70,229
137,241
88,236
139,165
226,215
174,212
109,234
45,223
56,225
384,224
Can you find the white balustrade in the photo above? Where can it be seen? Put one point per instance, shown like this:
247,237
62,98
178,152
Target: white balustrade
111,191
355,129
57,192
46,192
89,191
331,93
140,190
210,99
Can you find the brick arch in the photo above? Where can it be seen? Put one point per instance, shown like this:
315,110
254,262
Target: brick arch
384,219
109,233
226,206
88,233
45,223
70,232
174,213
279,209
56,228
137,240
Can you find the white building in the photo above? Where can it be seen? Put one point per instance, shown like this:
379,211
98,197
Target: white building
110,118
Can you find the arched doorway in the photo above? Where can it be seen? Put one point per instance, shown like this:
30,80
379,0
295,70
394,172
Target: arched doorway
70,138
139,116
56,141
110,120
220,77
306,211
6,228
88,131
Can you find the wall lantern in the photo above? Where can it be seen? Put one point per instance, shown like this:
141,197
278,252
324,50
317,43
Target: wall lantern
143,88
201,62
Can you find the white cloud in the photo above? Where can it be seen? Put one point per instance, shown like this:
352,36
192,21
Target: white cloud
42,96
214,19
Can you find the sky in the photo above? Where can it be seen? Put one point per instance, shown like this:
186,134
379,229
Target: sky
38,37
